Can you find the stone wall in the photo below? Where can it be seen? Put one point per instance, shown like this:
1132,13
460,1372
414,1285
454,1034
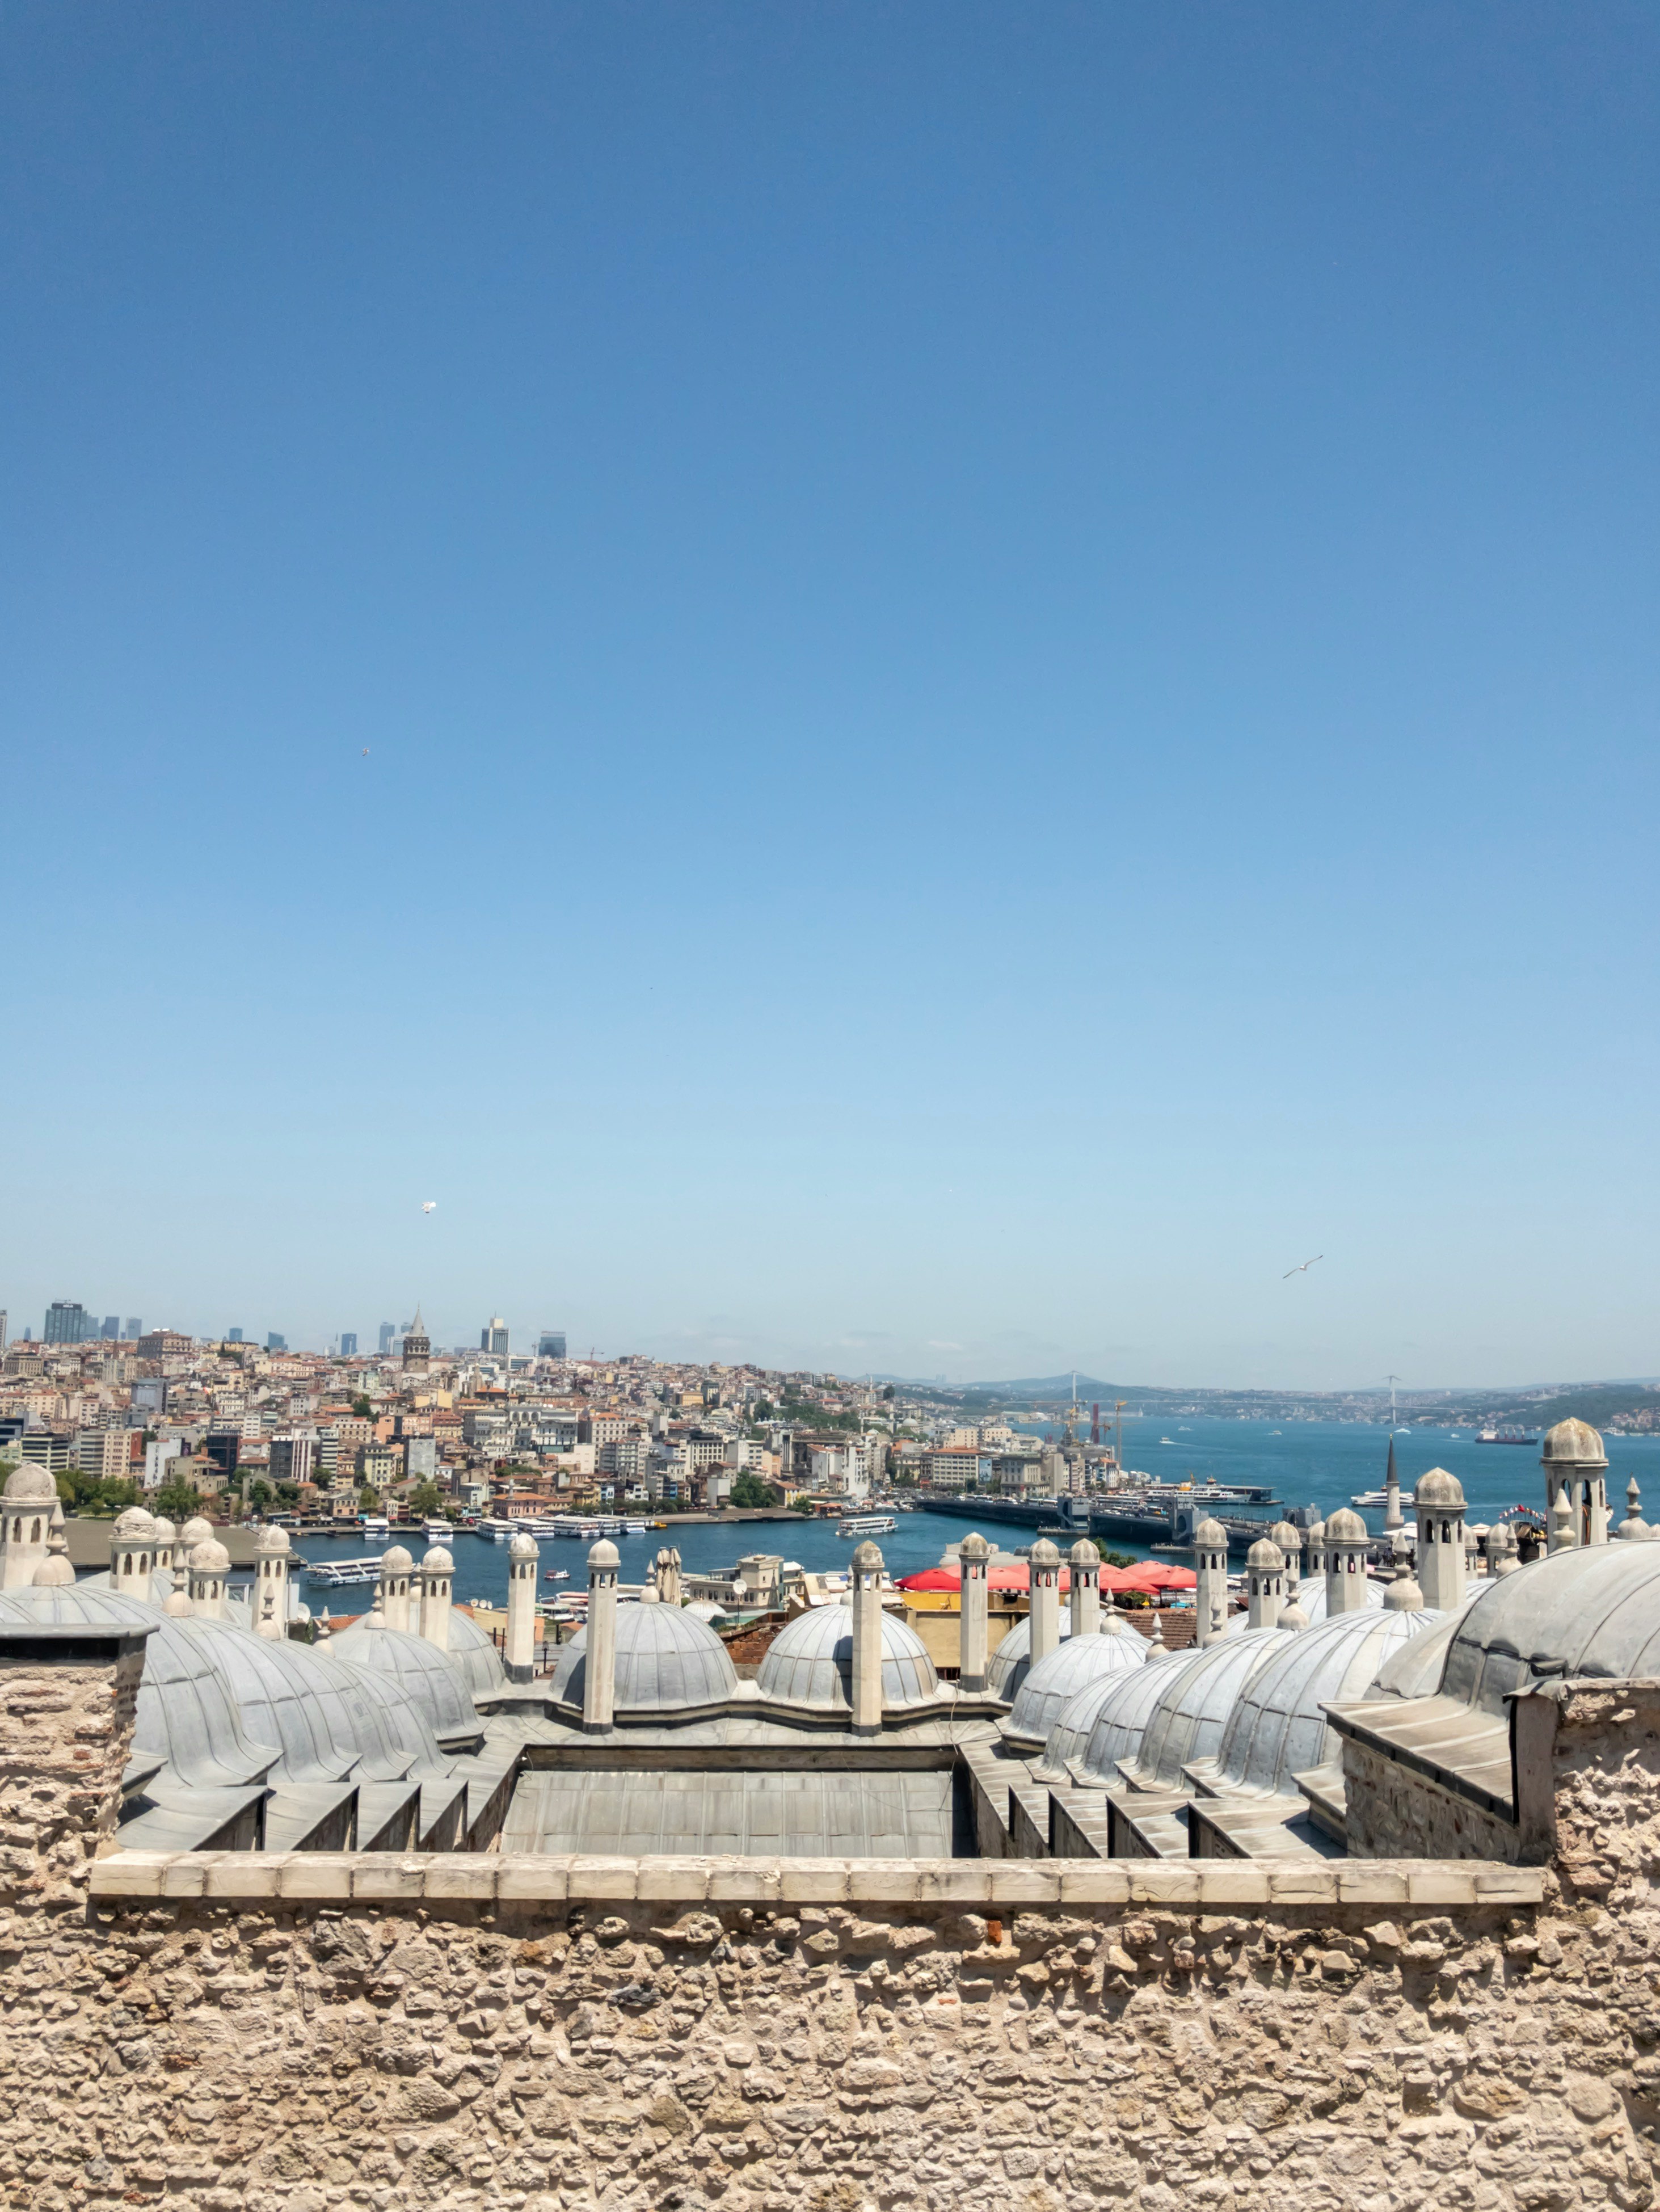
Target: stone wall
1391,1815
250,2033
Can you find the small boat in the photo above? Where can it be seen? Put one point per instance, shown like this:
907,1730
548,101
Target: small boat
557,1575
1167,1440
1373,1497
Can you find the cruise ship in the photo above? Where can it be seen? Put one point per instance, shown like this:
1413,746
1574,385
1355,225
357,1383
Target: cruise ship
860,1525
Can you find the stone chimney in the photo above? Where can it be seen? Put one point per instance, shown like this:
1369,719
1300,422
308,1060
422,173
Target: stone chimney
1044,1580
1265,1573
866,1640
437,1581
599,1662
523,1557
396,1569
1084,1597
1210,1567
1346,1541
974,1647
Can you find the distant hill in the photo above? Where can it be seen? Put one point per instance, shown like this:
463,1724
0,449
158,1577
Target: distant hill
1624,1409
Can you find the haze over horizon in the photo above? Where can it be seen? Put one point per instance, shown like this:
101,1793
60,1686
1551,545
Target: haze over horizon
925,689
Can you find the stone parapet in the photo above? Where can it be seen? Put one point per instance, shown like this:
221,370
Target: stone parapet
487,1878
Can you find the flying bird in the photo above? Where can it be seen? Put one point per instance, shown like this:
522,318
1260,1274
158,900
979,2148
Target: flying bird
366,752
1303,1270
430,1205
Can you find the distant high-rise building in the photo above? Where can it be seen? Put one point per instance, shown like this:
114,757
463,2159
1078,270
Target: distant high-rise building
550,1345
133,1329
418,1346
348,1344
274,1343
68,1321
388,1332
2,1329
112,1328
233,1336
494,1337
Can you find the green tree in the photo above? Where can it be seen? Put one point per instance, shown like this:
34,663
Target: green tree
176,1501
368,1499
748,1490
363,1408
260,1493
426,1497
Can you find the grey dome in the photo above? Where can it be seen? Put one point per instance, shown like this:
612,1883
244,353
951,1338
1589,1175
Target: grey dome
522,1546
400,1717
319,1716
1592,1610
1009,1663
1309,1598
1187,1720
666,1661
1055,1682
810,1664
1122,1709
1069,1733
1211,1535
420,1670
1277,1728
1346,1527
1441,1490
474,1655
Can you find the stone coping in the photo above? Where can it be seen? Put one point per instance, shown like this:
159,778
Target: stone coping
488,1878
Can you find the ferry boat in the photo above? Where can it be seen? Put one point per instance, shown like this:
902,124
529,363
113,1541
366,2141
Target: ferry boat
499,1530
439,1531
557,1575
336,1574
376,1524
1505,1437
852,1525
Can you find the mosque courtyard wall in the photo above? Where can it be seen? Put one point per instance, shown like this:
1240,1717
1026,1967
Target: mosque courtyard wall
263,2033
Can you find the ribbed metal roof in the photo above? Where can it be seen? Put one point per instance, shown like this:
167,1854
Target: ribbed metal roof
1188,1719
475,1656
810,1664
1055,1682
1121,1713
1592,1611
1276,1727
1013,1656
665,1662
417,1668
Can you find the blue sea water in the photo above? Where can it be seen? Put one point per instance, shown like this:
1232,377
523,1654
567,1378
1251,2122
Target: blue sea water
1321,1463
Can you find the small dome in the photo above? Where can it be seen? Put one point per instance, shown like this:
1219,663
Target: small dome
1291,1618
165,1531
1083,1553
705,1609
1577,1441
974,1546
195,1531
272,1543
54,1572
666,1661
1404,1595
522,1546
210,1558
1314,1534
1289,1540
1211,1534
473,1654
604,1553
135,1523
1044,1553
177,1605
811,1662
1055,1681
1277,1727
438,1562
1440,1489
396,1561
1120,1713
867,1558
1264,1557
1346,1527
1009,1663
29,1484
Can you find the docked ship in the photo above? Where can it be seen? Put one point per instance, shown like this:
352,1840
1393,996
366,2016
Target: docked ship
860,1525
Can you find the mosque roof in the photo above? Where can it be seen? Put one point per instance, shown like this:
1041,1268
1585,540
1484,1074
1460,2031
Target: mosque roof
430,1678
811,1662
1189,1717
1009,1663
1590,1611
1055,1681
665,1662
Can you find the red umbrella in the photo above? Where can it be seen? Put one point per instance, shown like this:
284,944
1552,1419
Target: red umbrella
931,1578
1160,1574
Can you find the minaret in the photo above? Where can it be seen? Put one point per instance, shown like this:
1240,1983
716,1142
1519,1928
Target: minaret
599,1666
520,1658
974,1646
209,1570
437,1579
1210,1567
1391,1490
1576,1470
1085,1595
396,1568
270,1598
1265,1569
868,1640
1044,1579
1440,1498
1345,1542
132,1552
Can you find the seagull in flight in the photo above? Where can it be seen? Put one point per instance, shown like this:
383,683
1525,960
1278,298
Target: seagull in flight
1303,1270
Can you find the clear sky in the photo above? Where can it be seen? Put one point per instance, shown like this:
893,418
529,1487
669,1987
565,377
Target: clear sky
922,687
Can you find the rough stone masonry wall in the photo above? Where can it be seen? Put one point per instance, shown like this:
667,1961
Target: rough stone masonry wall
292,2034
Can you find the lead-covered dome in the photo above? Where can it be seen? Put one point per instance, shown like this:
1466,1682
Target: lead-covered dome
135,1523
1189,1717
1056,1681
811,1662
1277,1728
1013,1657
472,1652
1121,1711
421,1670
1440,1489
666,1661
1593,1610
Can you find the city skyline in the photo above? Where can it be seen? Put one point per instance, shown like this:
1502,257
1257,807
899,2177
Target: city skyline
925,689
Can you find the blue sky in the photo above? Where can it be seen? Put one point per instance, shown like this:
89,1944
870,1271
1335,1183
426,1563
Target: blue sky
1007,655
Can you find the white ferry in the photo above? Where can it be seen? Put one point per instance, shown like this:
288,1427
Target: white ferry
376,1524
336,1574
852,1525
438,1531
